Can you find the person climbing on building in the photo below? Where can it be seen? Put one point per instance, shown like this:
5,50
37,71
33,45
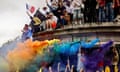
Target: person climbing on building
26,32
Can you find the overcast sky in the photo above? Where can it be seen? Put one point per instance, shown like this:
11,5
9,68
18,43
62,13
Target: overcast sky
13,17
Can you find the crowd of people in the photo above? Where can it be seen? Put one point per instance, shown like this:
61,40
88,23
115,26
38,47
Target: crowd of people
59,13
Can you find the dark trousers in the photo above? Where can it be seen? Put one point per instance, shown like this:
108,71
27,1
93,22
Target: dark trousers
116,11
35,29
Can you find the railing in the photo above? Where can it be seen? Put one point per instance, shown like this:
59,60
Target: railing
104,31
85,26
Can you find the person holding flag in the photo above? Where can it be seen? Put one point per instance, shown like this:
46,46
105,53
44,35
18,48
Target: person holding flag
35,23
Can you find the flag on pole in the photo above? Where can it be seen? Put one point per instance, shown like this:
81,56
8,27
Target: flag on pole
27,6
30,8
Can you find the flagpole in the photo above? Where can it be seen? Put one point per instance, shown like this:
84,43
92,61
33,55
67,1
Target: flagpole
58,67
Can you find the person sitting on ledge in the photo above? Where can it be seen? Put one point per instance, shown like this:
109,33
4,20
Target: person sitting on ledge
51,22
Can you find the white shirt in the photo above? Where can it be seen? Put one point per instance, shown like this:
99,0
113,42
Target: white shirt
54,18
44,12
77,3
69,9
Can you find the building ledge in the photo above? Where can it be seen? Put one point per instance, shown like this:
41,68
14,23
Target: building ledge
88,27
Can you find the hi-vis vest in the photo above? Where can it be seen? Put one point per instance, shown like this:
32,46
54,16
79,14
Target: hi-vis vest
36,20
